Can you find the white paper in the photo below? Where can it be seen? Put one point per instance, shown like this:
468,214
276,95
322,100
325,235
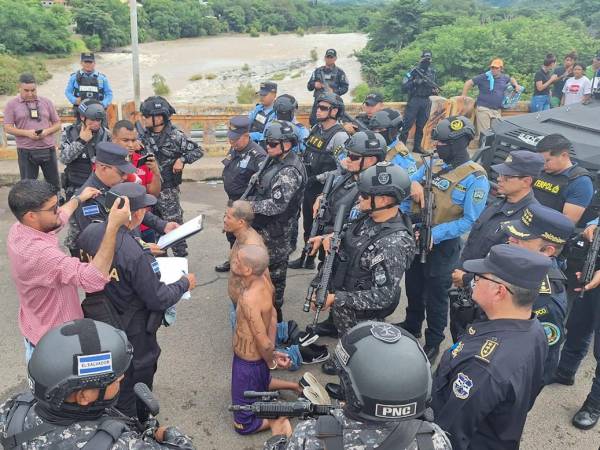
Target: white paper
171,271
185,230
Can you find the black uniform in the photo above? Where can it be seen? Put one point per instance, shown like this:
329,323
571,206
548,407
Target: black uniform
344,192
334,78
419,105
140,299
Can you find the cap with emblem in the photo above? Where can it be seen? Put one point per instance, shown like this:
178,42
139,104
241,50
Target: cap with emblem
266,87
515,265
426,54
539,221
88,56
521,163
136,193
331,53
114,155
373,98
238,125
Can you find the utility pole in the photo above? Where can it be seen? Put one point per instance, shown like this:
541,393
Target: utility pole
135,53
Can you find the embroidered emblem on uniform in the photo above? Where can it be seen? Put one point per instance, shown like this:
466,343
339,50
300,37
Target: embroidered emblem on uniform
552,333
383,178
462,386
541,312
277,195
471,331
545,286
386,332
380,278
90,210
441,183
456,125
488,347
457,348
94,364
155,266
244,162
377,259
478,195
341,353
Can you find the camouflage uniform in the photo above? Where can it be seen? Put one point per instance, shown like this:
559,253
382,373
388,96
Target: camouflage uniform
356,435
382,262
168,146
77,434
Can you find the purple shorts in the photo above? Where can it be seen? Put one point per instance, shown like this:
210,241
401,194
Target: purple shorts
247,376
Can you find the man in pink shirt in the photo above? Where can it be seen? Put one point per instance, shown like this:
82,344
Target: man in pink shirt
46,279
33,121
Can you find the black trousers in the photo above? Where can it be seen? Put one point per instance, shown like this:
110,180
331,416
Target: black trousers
310,195
417,112
30,162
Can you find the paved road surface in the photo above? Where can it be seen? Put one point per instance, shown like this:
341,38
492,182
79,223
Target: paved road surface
193,376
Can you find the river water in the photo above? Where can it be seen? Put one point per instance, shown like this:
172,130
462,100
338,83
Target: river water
231,59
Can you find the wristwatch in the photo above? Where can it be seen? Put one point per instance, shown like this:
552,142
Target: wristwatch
76,197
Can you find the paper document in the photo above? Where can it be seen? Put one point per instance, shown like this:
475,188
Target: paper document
186,230
172,269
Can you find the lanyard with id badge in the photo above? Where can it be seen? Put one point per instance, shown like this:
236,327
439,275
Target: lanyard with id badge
34,113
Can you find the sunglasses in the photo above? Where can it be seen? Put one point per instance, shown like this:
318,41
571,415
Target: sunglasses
324,108
52,209
272,144
478,276
353,157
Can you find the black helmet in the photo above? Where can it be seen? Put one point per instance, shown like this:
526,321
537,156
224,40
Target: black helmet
385,178
367,143
157,106
285,104
92,109
334,100
384,373
453,128
388,120
81,354
281,130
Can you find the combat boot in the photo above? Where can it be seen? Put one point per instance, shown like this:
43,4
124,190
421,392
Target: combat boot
587,417
309,263
298,263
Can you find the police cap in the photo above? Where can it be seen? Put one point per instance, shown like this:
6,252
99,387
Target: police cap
515,265
88,56
136,193
539,221
238,125
331,53
521,163
267,87
113,155
373,98
426,54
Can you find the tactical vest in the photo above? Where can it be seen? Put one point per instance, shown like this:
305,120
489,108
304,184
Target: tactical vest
79,170
344,192
443,185
548,190
315,157
166,152
263,191
260,120
328,77
423,90
349,275
88,86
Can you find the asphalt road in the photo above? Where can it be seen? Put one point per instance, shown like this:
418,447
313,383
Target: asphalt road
193,379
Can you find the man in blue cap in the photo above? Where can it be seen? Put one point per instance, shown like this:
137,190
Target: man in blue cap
487,382
263,113
242,161
544,230
111,168
88,83
135,296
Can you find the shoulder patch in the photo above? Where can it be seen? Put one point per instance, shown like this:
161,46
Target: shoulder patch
478,195
553,333
462,386
377,259
90,210
545,287
155,266
277,194
456,349
488,347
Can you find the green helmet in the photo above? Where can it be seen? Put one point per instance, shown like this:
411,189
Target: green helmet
452,128
385,178
384,373
92,109
367,143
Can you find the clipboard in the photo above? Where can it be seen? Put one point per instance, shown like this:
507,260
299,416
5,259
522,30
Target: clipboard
188,229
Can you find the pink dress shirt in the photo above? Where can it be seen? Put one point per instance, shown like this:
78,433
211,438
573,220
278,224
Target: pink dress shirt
47,279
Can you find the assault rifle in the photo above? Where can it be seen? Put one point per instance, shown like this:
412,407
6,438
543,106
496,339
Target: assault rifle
271,409
589,265
255,178
318,223
357,123
153,150
425,78
427,211
322,286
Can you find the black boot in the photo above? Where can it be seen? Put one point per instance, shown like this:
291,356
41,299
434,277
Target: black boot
587,417
297,263
326,328
309,263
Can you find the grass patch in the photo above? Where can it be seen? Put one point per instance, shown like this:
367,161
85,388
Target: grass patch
159,84
246,94
296,75
196,77
313,55
245,68
210,76
278,76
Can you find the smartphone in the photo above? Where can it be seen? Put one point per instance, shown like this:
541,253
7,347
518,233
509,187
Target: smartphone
38,132
111,198
144,159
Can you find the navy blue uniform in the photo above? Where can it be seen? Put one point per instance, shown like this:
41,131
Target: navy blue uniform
239,166
138,295
419,104
487,382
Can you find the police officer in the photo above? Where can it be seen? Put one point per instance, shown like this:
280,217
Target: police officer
173,149
486,383
419,84
276,199
460,189
326,79
88,83
285,107
373,103
386,380
78,145
324,144
375,251
135,296
111,168
544,230
242,161
388,122
263,113
74,375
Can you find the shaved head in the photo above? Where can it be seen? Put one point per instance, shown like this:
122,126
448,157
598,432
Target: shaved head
255,257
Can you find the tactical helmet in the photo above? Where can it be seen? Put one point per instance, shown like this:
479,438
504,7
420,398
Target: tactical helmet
385,119
285,104
157,106
367,143
81,354
384,373
452,128
281,130
385,178
92,109
334,100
